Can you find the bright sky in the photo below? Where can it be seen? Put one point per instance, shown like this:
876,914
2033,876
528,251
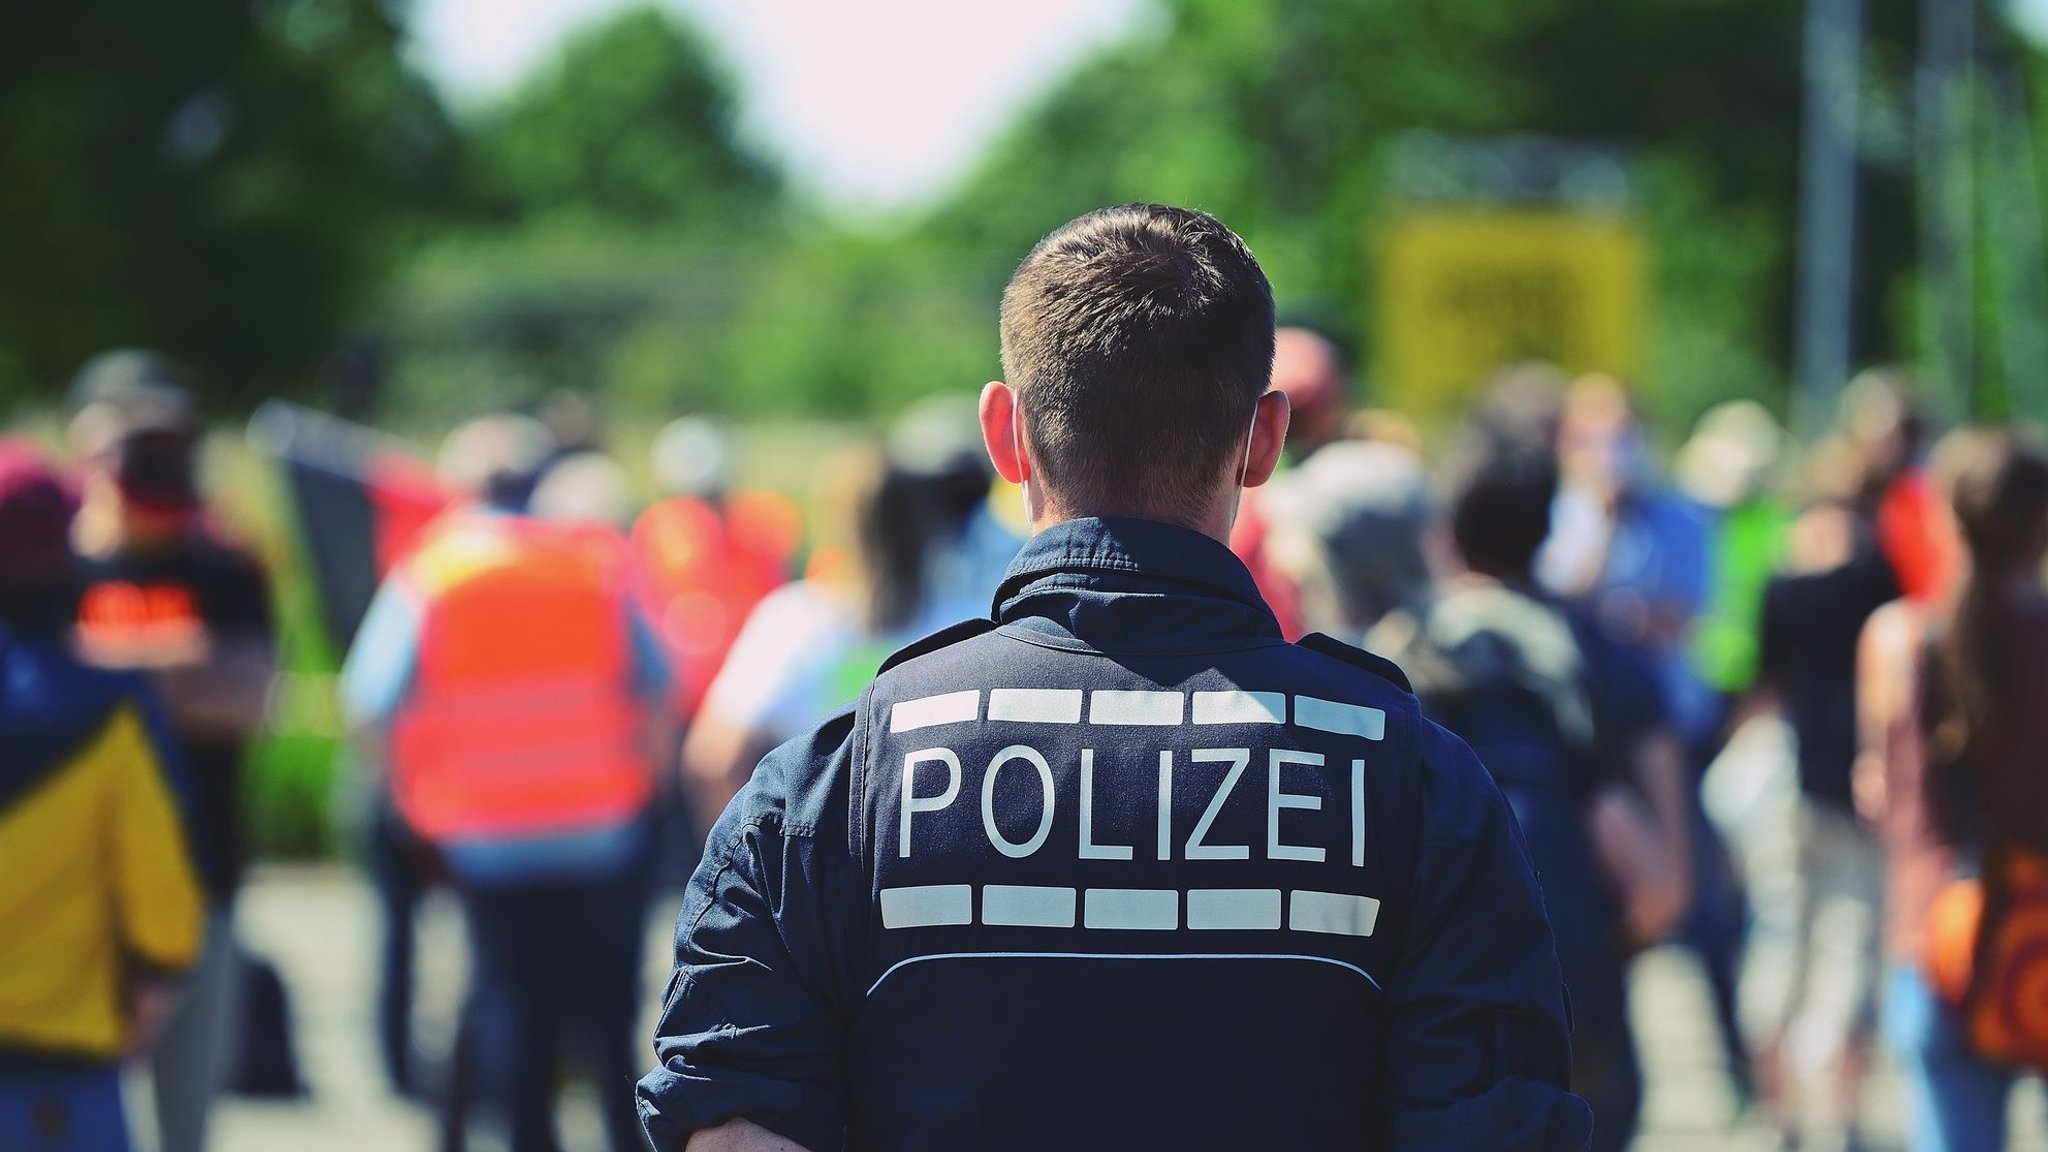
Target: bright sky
872,104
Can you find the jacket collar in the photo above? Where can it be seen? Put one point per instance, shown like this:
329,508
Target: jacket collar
1106,580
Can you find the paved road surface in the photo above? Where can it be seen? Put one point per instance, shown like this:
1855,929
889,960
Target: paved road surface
319,926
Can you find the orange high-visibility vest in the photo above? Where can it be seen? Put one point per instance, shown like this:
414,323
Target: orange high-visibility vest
521,721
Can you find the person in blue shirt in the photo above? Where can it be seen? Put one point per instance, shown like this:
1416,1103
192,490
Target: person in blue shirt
1119,866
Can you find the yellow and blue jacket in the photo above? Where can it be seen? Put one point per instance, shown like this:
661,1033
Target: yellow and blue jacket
97,885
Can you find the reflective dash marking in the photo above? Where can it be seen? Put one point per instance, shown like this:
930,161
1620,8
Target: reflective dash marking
1035,705
1152,909
1332,912
1024,906
1155,956
1108,707
1240,708
1234,908
928,906
1343,719
929,711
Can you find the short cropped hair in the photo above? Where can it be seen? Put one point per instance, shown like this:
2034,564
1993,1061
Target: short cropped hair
1139,339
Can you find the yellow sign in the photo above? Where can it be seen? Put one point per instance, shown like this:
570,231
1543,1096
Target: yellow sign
1463,292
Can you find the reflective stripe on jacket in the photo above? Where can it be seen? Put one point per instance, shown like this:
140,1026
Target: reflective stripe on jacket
1120,868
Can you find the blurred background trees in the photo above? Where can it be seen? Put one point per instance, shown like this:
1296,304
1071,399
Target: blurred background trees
271,191
227,179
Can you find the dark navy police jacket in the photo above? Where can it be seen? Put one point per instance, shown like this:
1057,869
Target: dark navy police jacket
1120,869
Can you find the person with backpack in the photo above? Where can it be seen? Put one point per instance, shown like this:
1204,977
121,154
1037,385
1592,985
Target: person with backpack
1558,717
1953,715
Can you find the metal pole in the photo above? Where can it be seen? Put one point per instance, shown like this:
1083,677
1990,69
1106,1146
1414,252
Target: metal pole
2017,250
1948,297
1827,208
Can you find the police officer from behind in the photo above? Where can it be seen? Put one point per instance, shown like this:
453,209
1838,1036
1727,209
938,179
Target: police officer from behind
1120,867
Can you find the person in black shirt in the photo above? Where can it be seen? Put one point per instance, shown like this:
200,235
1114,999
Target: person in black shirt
1814,1013
163,595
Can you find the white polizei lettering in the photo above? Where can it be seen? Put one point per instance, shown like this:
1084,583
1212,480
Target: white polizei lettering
1025,906
1156,708
1276,800
912,802
1090,850
928,906
1240,708
930,711
1242,909
988,801
1149,909
1343,719
1237,758
1035,705
1333,912
1358,813
1166,805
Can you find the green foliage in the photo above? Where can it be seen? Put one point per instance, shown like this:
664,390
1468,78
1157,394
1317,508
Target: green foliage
216,177
630,124
1275,115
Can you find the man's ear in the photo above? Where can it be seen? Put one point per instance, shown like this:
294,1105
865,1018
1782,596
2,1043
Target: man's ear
1000,433
1268,437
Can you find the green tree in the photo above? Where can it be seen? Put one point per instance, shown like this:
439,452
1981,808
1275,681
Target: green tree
1277,115
629,125
223,179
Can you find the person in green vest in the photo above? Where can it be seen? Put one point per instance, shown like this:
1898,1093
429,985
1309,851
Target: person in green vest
1731,465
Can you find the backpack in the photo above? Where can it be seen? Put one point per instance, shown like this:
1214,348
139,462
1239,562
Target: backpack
1504,672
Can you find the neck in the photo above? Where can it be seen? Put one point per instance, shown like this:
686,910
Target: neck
1216,523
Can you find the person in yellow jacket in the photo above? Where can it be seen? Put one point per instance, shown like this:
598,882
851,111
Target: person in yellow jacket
100,905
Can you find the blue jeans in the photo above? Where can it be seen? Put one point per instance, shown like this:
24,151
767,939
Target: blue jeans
63,1109
1956,1100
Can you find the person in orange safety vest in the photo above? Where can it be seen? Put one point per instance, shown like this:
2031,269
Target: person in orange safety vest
523,699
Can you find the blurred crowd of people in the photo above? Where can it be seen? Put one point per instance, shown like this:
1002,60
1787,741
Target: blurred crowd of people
1776,705
1779,703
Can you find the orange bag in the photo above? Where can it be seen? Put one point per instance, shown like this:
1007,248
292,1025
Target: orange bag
1951,949
1995,967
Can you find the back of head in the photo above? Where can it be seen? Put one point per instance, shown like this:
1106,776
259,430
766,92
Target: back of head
129,377
495,458
1733,455
1139,339
871,541
692,457
572,419
1500,507
35,540
584,488
1522,404
134,419
936,445
1352,516
1882,417
1996,481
